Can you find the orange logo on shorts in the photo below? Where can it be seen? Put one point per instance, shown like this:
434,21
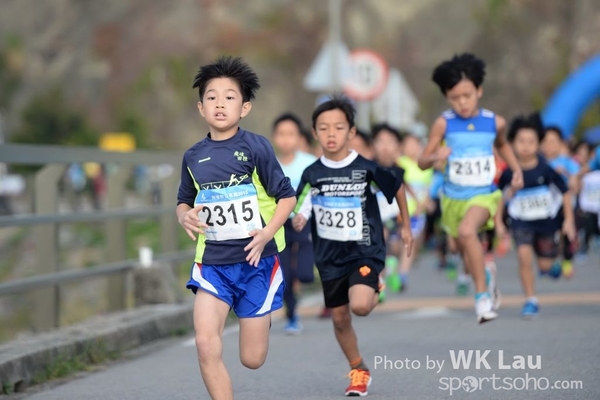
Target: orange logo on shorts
364,270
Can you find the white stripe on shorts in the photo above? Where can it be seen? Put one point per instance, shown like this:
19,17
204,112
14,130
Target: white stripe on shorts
204,284
277,281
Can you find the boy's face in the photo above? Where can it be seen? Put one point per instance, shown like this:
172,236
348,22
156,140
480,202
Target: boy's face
583,154
333,132
386,148
222,105
412,147
552,144
464,98
287,137
526,144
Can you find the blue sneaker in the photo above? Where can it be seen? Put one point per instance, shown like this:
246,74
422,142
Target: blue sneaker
530,310
293,327
555,271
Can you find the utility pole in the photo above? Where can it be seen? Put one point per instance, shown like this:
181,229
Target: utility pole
335,40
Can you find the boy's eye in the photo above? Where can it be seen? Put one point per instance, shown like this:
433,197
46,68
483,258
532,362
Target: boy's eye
210,98
229,97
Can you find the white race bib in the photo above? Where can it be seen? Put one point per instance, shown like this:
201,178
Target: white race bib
472,170
386,210
338,218
532,207
589,197
230,213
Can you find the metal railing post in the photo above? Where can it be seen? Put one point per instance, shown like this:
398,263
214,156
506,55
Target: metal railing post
116,240
168,222
46,311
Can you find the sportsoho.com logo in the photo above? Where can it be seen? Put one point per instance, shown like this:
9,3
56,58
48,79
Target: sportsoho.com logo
472,384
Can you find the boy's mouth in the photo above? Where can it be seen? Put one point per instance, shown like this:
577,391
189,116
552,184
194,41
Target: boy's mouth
220,116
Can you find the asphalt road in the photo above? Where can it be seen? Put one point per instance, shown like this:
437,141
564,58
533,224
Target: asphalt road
408,344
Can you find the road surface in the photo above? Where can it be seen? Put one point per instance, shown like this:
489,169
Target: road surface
409,343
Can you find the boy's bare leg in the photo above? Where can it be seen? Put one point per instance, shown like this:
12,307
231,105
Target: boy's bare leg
210,315
254,340
471,247
363,299
344,332
525,254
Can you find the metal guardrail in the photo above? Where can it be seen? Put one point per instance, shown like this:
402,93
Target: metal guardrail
45,287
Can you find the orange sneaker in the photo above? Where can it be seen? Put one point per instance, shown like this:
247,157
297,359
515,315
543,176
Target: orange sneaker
359,383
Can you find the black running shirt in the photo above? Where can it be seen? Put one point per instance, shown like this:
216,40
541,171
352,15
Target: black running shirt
346,224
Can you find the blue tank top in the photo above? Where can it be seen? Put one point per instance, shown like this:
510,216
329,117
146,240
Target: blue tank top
471,168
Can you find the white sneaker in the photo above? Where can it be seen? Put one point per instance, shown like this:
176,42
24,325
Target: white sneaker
495,294
484,310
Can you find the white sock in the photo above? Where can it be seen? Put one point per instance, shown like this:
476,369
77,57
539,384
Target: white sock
462,278
533,300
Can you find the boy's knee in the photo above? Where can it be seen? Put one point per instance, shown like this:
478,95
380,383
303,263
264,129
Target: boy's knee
466,232
253,359
207,346
341,321
361,310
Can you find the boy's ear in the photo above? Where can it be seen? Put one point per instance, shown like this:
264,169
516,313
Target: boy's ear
246,107
479,92
314,133
201,108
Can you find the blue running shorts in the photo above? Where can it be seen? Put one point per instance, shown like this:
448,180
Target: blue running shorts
250,291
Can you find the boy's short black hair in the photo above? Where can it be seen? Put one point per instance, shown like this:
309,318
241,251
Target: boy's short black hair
582,143
450,72
532,121
377,129
557,130
336,102
288,117
228,67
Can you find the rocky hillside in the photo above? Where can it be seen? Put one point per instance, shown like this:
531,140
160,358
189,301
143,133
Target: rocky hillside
115,57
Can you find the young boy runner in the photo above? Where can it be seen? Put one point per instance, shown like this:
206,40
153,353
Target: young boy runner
552,148
297,259
234,195
534,210
386,148
346,227
470,198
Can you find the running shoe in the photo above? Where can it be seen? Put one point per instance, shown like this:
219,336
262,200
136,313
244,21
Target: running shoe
360,380
293,327
530,310
555,271
484,310
462,288
567,269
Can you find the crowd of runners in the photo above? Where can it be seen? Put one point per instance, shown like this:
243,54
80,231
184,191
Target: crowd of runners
354,209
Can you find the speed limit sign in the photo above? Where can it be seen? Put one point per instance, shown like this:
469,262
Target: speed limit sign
368,75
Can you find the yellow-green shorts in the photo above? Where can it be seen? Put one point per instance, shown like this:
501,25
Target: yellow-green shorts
454,210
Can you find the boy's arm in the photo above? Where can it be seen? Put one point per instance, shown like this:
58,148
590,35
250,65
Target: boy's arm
277,186
499,220
265,235
186,196
432,152
506,152
406,232
568,227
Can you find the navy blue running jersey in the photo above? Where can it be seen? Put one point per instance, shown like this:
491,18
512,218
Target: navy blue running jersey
536,206
346,224
238,181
